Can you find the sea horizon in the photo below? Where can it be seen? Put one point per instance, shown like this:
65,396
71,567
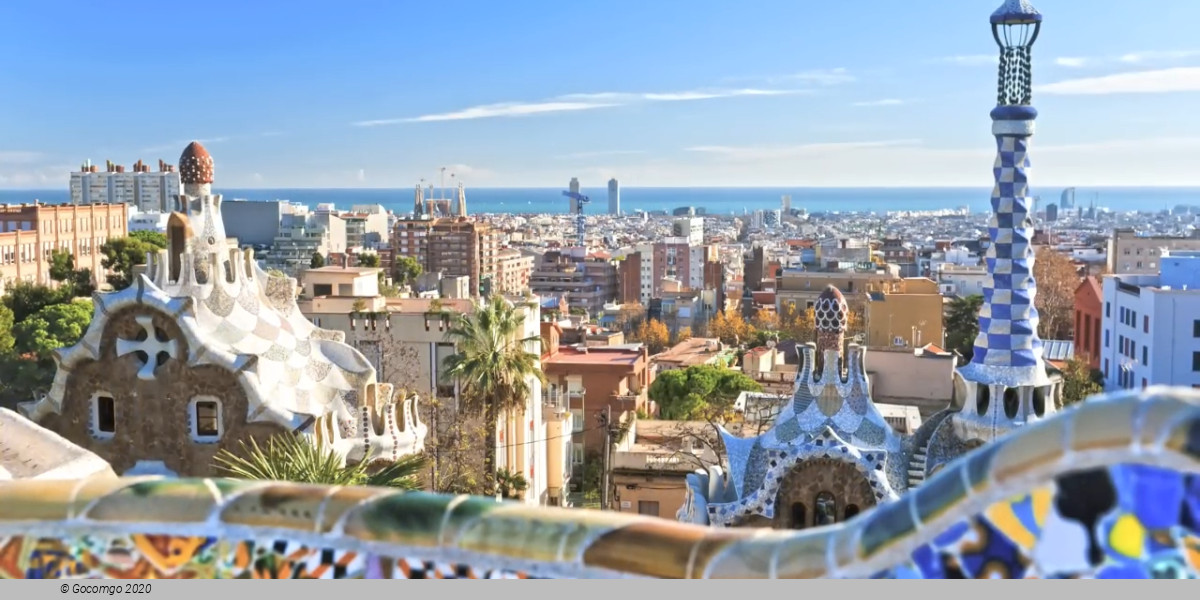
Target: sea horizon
715,201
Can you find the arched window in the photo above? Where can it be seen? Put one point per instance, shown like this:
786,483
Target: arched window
825,512
799,516
983,397
1012,402
1040,394
851,510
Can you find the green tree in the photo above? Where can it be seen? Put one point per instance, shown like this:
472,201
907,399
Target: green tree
76,282
510,485
493,367
405,270
53,327
121,255
7,341
25,299
289,457
150,238
962,325
1080,381
317,261
27,346
368,260
654,334
695,392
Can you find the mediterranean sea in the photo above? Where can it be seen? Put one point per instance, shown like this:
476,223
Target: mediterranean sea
714,201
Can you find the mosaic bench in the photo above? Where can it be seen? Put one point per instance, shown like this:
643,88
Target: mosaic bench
1109,489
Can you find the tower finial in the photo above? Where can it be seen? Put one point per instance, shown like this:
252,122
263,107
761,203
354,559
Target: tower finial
1008,350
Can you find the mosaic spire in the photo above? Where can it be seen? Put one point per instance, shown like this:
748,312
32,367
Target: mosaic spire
1008,350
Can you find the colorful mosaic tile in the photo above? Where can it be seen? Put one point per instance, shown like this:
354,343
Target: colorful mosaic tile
1127,508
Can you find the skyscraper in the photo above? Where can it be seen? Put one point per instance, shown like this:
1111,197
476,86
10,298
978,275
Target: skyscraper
1006,382
614,197
572,205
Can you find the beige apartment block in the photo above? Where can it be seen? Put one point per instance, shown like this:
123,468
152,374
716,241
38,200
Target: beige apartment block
30,233
1131,254
904,313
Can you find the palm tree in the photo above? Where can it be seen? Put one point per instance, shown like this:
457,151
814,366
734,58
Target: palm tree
293,458
493,367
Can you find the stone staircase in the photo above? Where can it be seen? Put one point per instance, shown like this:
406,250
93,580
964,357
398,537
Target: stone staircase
916,466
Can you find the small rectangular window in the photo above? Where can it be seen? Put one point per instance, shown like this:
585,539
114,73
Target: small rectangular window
1108,309
207,419
648,507
1145,355
1146,323
106,414
1196,361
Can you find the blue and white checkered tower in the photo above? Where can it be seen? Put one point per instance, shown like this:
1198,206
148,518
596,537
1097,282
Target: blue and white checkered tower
1011,385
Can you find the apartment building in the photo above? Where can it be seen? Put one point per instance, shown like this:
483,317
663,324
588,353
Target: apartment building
1151,325
29,233
588,281
366,226
454,247
652,462
800,289
1131,254
405,340
513,271
1089,313
904,313
139,187
590,380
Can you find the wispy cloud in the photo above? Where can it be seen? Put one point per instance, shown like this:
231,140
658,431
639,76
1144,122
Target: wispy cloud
742,153
819,77
969,60
575,102
488,111
1140,144
1162,81
1158,56
885,102
179,145
1072,62
1147,58
19,157
599,154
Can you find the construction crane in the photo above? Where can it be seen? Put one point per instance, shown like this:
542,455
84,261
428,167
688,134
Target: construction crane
577,209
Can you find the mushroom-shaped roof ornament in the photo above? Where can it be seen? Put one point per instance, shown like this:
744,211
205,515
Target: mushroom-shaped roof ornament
831,311
195,165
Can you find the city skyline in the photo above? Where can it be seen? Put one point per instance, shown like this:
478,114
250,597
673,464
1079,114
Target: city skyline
777,94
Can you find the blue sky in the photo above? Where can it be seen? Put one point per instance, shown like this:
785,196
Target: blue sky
371,93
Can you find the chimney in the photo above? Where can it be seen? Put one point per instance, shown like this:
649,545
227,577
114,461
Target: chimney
346,261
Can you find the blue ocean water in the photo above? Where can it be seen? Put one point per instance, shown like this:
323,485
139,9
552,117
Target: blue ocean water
716,201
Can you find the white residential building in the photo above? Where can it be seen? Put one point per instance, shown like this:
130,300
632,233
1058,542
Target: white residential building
1151,326
691,228
962,280
140,188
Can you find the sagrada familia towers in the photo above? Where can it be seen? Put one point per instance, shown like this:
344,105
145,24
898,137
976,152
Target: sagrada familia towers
829,454
207,350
